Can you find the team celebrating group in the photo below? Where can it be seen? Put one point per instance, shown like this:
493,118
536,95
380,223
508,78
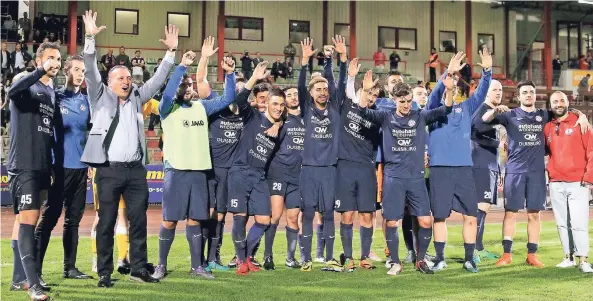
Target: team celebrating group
315,149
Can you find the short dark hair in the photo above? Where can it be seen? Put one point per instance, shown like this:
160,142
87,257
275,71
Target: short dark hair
288,88
525,83
240,80
401,89
277,92
68,63
394,72
264,87
44,46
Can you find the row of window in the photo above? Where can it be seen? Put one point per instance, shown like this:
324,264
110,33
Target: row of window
252,29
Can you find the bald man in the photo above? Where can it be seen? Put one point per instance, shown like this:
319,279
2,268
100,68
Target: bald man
485,144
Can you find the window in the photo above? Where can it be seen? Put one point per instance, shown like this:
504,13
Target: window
182,21
126,21
244,28
298,30
486,40
447,41
397,38
343,30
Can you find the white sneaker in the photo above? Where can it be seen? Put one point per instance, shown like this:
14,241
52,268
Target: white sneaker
585,267
566,263
374,257
395,269
388,263
95,264
319,260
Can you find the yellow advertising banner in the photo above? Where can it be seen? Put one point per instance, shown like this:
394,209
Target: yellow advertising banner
577,76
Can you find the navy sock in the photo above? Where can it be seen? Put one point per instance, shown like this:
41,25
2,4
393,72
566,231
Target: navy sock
307,234
320,241
18,273
270,235
346,235
366,239
206,239
238,234
254,236
481,224
301,249
392,239
469,251
166,237
220,231
27,252
329,234
531,248
439,248
424,237
291,242
407,225
215,237
507,245
194,238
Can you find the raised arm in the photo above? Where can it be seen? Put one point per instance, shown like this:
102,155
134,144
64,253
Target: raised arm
373,115
152,86
434,114
214,105
168,96
328,73
340,45
588,144
353,69
204,90
307,51
480,94
94,85
242,98
435,97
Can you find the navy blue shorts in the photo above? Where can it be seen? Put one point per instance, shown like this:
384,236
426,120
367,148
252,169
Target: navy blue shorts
399,192
248,191
290,192
218,188
356,186
318,188
486,185
185,195
452,188
28,189
525,191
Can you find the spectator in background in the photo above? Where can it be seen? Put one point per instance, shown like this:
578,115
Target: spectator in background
158,63
556,69
107,62
20,59
279,69
25,26
39,22
246,64
473,85
320,59
394,60
138,64
583,64
257,59
38,36
379,58
52,37
53,25
5,61
433,63
290,52
584,85
122,59
230,54
288,67
466,75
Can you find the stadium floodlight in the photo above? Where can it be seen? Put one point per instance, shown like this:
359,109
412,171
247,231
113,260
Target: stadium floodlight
590,2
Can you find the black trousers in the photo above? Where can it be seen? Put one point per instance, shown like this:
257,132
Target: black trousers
433,74
113,181
69,192
154,120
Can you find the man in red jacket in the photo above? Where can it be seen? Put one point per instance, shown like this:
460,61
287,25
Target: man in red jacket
570,169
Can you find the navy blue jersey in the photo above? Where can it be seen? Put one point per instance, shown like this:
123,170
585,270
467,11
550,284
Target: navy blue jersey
321,126
404,139
359,137
71,126
286,163
525,132
255,148
225,131
32,106
484,141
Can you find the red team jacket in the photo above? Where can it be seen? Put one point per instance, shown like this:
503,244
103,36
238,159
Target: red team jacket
571,153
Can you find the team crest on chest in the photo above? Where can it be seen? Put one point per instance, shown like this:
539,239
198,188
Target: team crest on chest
538,118
82,107
568,132
458,110
411,123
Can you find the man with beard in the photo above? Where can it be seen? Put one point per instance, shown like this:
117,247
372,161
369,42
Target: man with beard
525,169
570,169
283,181
485,145
70,175
30,157
318,173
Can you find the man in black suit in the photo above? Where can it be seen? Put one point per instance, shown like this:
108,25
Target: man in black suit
19,59
278,69
5,61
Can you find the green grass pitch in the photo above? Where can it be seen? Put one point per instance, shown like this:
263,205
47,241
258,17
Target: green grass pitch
517,282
